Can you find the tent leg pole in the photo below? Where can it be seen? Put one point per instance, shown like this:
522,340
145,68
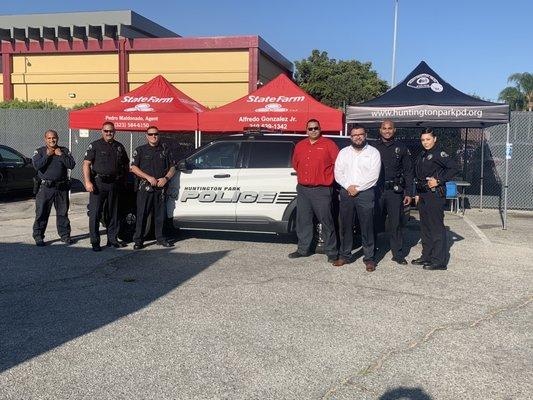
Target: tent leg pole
482,170
131,144
506,186
199,138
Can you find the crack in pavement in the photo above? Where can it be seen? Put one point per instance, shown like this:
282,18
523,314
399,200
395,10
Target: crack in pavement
378,289
378,363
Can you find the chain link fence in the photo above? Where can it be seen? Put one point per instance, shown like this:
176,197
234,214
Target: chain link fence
24,131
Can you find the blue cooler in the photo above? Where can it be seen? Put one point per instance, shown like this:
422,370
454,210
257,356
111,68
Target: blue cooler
451,190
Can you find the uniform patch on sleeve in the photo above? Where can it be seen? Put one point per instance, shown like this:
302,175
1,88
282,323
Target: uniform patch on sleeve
35,152
443,154
134,153
90,147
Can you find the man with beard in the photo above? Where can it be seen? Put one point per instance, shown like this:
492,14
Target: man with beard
314,160
357,171
395,186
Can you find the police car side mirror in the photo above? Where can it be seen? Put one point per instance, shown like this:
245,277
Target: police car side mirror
182,165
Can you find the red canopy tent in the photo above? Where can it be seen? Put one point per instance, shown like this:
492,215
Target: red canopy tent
279,105
157,103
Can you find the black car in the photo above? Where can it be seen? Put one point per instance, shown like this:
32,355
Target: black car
16,172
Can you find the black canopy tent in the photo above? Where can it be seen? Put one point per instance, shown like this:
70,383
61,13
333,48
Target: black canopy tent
423,98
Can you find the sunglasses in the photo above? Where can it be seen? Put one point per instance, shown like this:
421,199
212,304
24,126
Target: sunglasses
314,128
108,130
153,134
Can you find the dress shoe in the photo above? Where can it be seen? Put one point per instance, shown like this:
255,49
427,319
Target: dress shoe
96,247
339,262
298,255
432,267
118,244
138,246
370,266
67,240
165,243
40,242
399,260
419,261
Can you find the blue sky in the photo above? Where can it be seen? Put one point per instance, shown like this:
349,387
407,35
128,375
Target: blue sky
474,45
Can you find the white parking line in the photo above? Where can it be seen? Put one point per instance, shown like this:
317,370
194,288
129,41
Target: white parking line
478,231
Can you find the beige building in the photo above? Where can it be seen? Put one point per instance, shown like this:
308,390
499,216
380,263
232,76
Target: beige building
71,58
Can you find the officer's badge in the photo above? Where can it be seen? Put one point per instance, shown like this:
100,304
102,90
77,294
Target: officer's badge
408,152
430,156
443,154
397,150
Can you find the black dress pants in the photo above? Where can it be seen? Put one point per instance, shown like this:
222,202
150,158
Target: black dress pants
148,202
45,198
315,201
432,230
105,194
361,205
390,210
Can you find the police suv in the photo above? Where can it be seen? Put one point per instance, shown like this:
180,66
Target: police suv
242,182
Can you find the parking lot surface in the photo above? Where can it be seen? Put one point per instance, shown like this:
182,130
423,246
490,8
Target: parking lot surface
228,316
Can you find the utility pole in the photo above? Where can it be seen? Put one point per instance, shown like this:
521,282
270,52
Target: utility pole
394,44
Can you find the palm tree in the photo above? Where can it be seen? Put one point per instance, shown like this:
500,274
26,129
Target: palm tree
512,96
524,83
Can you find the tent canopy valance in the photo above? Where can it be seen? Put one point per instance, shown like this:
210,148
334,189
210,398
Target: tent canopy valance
423,98
157,102
280,105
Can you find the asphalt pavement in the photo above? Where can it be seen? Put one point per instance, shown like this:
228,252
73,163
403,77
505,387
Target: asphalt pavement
228,316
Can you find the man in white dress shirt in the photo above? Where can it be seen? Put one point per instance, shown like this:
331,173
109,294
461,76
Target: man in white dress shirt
357,170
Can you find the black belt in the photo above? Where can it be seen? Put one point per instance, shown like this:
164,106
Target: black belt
50,183
107,178
313,186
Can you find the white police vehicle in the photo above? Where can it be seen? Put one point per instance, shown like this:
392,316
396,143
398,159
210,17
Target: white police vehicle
241,182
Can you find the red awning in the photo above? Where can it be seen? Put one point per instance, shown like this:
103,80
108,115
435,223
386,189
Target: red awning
157,103
280,105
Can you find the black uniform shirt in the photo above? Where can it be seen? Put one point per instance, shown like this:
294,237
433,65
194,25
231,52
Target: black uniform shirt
52,168
435,163
107,158
395,162
152,160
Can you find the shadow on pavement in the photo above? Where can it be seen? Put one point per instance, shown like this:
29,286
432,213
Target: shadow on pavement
54,294
405,393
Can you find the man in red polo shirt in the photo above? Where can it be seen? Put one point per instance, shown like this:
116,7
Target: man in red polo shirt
314,162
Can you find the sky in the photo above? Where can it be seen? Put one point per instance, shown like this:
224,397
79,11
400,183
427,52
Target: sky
472,44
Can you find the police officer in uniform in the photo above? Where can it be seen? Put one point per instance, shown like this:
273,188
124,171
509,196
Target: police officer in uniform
433,168
104,170
52,163
151,163
395,186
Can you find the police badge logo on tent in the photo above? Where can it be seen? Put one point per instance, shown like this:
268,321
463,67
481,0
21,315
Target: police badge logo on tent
424,81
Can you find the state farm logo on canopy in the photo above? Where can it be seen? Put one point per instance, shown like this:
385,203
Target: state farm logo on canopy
425,81
143,103
274,102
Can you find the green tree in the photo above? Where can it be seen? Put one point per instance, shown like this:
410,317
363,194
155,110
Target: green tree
524,90
85,104
512,96
337,82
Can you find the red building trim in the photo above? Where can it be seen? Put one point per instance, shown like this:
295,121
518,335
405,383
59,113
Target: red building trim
7,68
123,66
253,69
